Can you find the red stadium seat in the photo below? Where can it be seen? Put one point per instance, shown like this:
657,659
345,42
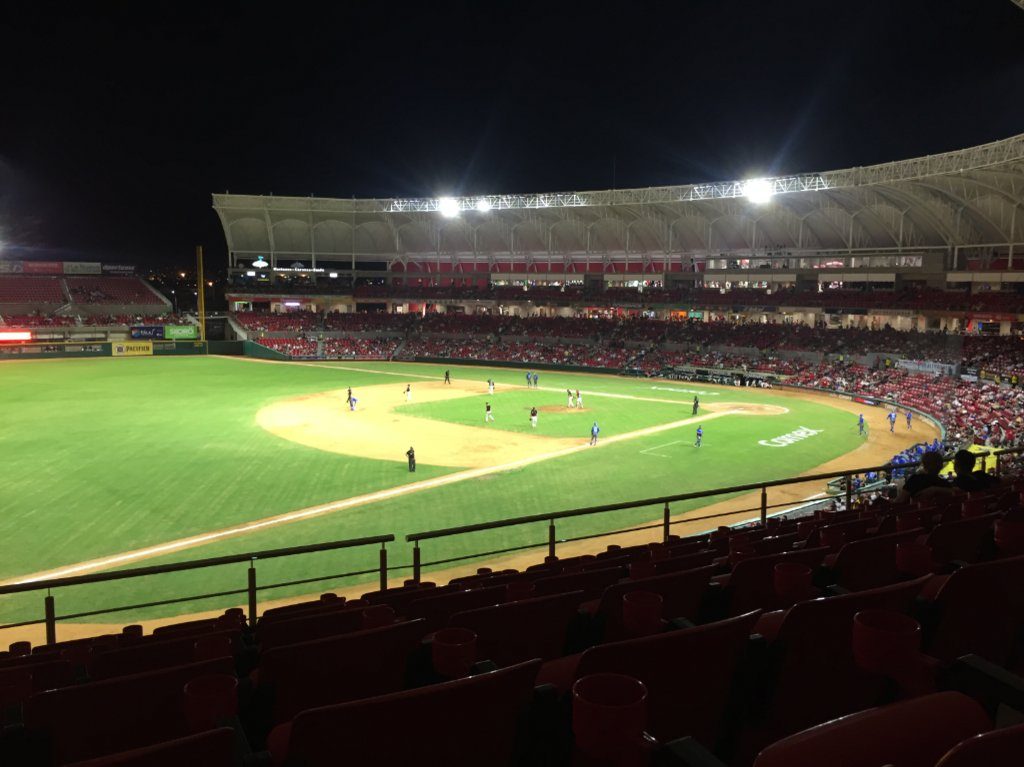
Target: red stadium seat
468,722
682,594
999,748
750,584
214,748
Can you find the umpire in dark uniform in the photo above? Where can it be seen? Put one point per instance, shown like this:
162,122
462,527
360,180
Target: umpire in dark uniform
411,455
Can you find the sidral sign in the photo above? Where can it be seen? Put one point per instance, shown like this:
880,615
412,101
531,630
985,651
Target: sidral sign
181,332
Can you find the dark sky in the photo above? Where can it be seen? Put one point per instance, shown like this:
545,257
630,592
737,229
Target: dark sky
118,120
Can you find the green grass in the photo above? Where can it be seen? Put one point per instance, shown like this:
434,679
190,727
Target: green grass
104,456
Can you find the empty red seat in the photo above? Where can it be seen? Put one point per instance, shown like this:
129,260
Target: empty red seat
980,610
870,562
681,595
688,673
998,748
88,720
750,585
147,656
961,539
913,733
437,610
347,667
214,748
463,723
814,676
592,582
307,627
519,631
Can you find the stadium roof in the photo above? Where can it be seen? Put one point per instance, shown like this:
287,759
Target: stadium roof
970,197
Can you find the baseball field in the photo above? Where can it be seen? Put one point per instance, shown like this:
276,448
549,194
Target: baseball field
130,462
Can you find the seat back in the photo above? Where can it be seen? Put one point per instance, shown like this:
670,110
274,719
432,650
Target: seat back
677,563
87,720
146,656
688,673
436,611
981,611
912,733
308,627
350,666
213,748
681,593
752,585
871,562
464,723
961,539
591,582
998,748
519,631
816,677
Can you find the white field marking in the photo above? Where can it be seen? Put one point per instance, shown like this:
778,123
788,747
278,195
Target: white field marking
701,392
588,392
647,451
346,503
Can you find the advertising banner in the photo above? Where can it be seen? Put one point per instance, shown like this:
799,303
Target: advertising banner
82,267
10,267
42,267
131,349
147,331
181,332
127,269
926,366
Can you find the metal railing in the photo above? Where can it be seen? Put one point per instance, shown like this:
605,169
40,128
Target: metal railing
251,589
666,523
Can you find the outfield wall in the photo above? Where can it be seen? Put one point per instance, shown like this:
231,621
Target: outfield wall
131,348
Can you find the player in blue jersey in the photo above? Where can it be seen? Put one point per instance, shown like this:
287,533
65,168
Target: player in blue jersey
892,421
594,431
700,436
861,425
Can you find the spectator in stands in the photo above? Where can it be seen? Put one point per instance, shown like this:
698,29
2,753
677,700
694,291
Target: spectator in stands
927,482
967,479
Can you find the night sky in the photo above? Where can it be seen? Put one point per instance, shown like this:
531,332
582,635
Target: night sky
118,120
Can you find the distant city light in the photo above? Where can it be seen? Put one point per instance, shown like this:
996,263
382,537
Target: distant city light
448,207
758,190
483,205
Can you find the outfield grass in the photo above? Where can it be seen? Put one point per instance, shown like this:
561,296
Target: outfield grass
104,456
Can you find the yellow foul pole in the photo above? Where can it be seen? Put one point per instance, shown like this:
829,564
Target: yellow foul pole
201,293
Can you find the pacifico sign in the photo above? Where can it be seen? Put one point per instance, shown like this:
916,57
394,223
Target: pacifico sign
788,439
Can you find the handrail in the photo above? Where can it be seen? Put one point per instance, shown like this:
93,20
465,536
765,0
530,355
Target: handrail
657,501
193,564
666,523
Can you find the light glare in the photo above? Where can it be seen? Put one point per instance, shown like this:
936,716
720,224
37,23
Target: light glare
483,205
448,207
758,190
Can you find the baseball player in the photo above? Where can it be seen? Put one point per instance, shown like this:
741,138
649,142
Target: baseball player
488,415
910,416
533,417
696,405
892,421
408,392
700,436
594,431
411,455
490,386
352,403
568,393
528,379
535,376
860,425
579,399
348,399
447,377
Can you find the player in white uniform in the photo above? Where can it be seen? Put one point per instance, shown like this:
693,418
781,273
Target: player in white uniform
408,392
579,399
488,415
533,417
568,393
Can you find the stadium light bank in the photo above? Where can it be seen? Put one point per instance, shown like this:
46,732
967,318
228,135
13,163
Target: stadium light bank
757,190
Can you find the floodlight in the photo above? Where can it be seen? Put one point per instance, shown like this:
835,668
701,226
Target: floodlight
260,262
758,190
448,207
483,205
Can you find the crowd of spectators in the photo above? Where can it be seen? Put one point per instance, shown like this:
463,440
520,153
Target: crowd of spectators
278,322
294,347
359,348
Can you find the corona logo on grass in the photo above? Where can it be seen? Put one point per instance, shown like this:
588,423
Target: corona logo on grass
788,439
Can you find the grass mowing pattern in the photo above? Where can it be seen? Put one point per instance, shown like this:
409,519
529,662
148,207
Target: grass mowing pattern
109,455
